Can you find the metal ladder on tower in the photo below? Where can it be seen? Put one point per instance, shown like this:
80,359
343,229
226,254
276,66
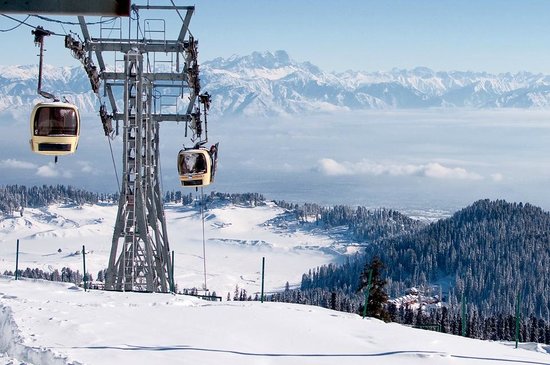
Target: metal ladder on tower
131,156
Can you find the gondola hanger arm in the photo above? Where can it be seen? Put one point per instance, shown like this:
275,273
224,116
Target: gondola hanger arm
39,34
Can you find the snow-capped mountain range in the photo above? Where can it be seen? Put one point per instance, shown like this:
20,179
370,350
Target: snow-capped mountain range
273,84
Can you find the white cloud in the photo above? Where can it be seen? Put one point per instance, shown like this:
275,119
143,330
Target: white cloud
497,177
439,171
11,163
86,167
52,170
434,170
48,170
332,168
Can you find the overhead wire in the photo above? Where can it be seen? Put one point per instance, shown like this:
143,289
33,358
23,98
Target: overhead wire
205,287
78,53
114,165
24,22
21,22
111,19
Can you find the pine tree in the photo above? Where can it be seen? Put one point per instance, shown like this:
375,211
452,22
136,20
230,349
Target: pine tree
377,295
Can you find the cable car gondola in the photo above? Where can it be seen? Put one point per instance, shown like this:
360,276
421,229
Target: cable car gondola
197,166
55,128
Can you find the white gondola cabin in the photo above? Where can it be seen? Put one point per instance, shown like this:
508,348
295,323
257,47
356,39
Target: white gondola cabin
55,128
196,167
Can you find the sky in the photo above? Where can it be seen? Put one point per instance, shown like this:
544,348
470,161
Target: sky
490,35
441,161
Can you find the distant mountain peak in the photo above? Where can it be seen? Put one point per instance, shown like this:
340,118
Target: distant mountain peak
271,83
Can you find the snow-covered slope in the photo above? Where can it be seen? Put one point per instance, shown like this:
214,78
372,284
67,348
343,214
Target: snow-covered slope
54,323
274,84
236,237
44,323
268,84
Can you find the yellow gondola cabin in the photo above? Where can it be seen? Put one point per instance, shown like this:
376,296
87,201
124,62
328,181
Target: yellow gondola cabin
196,167
55,128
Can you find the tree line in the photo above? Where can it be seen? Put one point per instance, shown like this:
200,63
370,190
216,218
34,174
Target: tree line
14,198
362,224
488,252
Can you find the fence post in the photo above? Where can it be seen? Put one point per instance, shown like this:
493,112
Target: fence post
85,278
173,281
263,274
17,261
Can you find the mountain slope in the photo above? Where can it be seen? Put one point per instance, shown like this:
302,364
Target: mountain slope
484,256
272,84
489,252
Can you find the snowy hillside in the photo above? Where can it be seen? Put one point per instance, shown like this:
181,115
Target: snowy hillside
236,238
52,323
273,84
45,323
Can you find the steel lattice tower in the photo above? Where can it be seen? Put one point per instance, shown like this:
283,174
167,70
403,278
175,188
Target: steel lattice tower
140,253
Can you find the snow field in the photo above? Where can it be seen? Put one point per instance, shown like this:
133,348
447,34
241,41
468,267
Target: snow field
56,323
236,239
46,323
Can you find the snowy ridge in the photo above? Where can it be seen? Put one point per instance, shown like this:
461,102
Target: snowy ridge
272,84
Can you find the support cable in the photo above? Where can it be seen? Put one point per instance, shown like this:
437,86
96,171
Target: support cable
21,22
24,22
73,23
114,165
203,241
78,52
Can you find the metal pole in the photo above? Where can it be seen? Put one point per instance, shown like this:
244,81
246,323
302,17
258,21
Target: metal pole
85,279
203,241
263,275
517,319
367,294
172,284
40,66
17,261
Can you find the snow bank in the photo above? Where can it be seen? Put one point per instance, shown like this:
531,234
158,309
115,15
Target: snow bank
12,343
